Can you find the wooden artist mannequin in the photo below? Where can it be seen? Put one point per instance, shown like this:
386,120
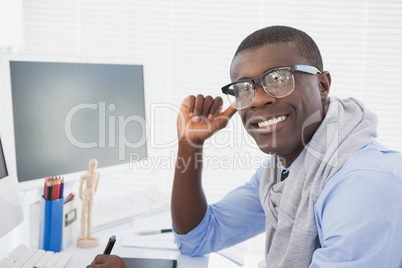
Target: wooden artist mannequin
91,179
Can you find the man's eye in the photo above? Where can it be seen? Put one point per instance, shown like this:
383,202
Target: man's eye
275,79
278,79
242,87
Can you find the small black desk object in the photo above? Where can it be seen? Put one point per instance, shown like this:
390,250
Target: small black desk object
149,263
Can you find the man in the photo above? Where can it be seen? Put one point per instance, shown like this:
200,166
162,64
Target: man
339,206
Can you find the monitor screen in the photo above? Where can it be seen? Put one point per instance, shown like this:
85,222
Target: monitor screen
66,113
10,203
3,167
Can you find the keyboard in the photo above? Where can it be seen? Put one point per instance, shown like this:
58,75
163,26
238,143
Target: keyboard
22,257
124,208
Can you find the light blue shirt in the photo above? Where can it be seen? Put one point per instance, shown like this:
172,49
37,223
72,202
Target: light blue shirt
358,215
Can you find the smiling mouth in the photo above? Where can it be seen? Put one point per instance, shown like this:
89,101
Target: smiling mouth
271,121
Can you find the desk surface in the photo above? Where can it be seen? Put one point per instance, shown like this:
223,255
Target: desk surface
83,257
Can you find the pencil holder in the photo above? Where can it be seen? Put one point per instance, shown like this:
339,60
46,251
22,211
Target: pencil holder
51,224
70,222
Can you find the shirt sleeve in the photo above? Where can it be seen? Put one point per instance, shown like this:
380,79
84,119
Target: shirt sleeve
237,217
359,221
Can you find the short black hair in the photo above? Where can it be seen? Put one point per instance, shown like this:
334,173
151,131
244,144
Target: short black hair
305,45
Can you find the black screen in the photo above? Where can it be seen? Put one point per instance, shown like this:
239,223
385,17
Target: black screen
67,113
149,263
3,167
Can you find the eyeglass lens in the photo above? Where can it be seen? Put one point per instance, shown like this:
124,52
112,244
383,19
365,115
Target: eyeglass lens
278,83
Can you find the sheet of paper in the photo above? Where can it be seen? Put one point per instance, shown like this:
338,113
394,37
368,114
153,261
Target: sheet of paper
151,223
161,241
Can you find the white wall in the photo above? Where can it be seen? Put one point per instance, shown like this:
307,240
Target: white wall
187,46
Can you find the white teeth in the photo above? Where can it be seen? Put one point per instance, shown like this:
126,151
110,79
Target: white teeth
272,121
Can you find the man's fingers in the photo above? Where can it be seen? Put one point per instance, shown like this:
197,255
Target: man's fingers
208,103
216,107
229,112
199,103
207,107
190,104
104,260
223,118
101,258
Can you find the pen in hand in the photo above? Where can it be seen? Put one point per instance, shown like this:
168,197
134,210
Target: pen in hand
110,245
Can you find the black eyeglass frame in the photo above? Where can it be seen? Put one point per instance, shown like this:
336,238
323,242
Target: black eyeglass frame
257,81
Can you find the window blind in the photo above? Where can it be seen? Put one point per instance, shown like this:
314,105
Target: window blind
10,24
186,48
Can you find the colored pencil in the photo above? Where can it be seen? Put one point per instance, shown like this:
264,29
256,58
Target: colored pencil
62,187
58,185
49,189
53,190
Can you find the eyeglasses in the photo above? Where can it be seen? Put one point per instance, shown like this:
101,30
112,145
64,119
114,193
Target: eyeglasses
278,82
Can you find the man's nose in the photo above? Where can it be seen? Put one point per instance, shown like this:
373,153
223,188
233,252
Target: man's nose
261,98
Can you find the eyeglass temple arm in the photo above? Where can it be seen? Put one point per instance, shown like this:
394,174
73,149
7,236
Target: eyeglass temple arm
307,69
227,91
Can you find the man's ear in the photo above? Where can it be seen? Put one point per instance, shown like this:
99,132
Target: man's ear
325,83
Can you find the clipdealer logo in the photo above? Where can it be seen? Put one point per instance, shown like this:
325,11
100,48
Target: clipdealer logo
122,123
232,136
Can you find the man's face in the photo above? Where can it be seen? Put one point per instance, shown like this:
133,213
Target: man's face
294,118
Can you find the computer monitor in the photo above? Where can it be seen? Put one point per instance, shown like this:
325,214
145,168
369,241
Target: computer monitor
10,202
67,111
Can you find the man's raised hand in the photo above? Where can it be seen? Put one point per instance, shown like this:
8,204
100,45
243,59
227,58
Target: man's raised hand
200,117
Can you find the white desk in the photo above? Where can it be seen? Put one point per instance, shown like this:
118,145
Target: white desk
83,257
